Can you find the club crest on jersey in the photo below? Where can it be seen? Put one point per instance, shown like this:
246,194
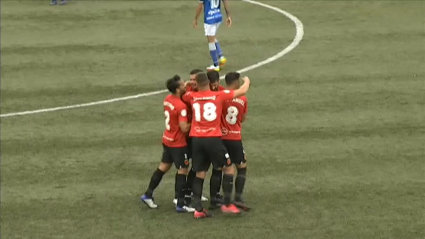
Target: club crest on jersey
183,113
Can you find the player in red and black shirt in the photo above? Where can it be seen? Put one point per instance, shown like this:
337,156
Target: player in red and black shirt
190,86
174,145
214,78
207,146
234,113
216,175
216,198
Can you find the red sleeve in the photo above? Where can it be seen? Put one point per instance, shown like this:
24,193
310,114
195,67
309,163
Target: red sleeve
220,88
227,95
187,97
182,111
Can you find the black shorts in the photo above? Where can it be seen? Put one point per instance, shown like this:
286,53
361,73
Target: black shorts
206,151
189,147
178,156
236,151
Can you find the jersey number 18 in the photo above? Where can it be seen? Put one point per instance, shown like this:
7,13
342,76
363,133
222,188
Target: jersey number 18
208,112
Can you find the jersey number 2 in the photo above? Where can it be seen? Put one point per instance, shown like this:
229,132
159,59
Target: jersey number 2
167,120
214,3
232,115
209,111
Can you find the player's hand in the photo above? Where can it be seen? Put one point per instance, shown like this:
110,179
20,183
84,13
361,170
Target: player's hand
229,21
195,23
246,81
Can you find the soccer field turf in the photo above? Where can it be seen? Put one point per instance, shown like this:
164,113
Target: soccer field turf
335,132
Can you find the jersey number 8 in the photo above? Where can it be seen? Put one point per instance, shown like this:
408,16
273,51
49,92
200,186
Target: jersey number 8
232,115
214,3
209,111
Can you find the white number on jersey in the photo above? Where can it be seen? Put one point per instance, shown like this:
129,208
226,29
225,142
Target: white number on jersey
209,112
167,120
214,3
232,115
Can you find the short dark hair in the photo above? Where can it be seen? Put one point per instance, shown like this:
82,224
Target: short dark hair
213,76
195,71
202,79
232,77
173,84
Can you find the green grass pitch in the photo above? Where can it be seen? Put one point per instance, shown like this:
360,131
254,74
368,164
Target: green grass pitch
335,132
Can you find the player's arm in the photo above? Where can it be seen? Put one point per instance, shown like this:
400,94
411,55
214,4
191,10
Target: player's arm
226,8
243,89
186,97
183,121
187,83
245,111
198,12
184,127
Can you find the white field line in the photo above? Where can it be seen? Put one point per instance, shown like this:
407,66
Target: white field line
298,37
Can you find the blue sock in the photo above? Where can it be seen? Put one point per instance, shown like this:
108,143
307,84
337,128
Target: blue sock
219,51
213,52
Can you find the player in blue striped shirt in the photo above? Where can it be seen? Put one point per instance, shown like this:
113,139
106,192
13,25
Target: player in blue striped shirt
212,20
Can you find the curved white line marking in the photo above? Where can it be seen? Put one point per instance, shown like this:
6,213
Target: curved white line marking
298,37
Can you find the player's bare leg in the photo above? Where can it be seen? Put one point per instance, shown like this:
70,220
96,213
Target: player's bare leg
239,186
156,178
180,187
227,206
215,185
213,52
198,184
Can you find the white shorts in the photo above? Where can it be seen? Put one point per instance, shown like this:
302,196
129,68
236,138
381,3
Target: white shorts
211,29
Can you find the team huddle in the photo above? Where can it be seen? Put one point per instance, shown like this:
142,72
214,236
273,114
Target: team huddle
203,123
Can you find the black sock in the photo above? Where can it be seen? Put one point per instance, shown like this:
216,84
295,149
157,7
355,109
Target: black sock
215,183
190,178
155,180
240,184
179,187
219,183
198,184
227,188
175,193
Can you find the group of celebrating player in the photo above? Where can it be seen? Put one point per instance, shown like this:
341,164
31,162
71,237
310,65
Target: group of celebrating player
203,122
213,116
